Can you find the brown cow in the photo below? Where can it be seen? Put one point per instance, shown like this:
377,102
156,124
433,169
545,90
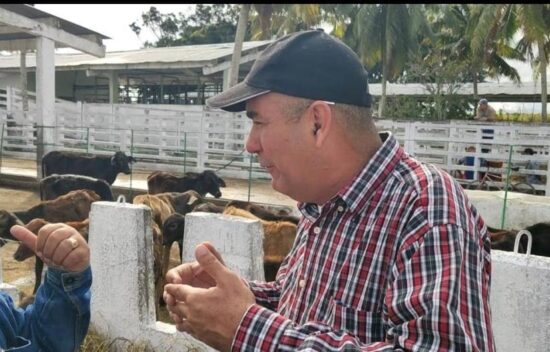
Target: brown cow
278,240
162,206
203,183
262,212
23,252
73,206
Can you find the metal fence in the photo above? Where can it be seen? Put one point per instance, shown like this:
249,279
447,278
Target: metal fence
193,138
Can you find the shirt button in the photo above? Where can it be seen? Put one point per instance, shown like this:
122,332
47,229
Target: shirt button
302,283
340,208
317,230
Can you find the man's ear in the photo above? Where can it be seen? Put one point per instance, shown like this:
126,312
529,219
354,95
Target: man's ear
321,121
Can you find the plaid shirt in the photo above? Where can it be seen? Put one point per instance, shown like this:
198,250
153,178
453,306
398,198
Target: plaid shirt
398,260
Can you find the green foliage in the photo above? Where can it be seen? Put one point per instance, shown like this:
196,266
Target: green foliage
209,24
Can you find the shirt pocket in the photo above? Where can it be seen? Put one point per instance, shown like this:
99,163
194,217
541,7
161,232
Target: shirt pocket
367,326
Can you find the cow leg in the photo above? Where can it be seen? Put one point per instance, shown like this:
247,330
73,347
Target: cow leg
38,267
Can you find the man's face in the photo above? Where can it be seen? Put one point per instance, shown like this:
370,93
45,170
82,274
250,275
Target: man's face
281,144
483,106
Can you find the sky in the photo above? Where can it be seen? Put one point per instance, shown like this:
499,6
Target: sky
113,20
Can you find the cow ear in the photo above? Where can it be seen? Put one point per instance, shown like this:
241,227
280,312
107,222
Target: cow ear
113,160
131,159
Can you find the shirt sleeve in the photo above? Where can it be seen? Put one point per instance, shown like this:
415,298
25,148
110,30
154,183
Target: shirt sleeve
59,318
436,301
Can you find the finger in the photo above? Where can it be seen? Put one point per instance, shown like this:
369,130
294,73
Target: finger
181,292
43,235
168,298
24,235
54,238
214,251
63,250
78,259
180,274
210,263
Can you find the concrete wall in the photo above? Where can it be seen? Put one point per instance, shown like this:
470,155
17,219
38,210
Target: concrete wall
122,289
522,210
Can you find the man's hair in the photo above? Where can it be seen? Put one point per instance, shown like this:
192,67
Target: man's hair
355,119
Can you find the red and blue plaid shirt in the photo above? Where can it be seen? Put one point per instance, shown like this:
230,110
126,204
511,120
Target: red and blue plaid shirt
397,260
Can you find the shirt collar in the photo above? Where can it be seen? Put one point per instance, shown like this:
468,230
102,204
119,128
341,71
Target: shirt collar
362,187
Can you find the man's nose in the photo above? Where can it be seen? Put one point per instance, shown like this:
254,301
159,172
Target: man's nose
251,144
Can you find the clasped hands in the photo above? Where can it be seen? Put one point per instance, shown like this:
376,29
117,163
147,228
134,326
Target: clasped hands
206,299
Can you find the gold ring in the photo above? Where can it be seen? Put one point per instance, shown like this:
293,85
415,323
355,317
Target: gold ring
73,242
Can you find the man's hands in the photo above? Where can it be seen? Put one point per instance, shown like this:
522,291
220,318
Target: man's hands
206,299
58,245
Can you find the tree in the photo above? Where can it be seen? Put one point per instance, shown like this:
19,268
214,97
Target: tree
237,49
209,24
534,22
388,33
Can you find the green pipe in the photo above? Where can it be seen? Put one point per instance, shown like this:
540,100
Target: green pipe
88,140
503,216
131,154
1,145
184,151
250,176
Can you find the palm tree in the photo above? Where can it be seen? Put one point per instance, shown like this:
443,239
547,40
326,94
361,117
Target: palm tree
534,23
237,49
388,33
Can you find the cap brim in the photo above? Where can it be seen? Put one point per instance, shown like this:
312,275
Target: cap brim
234,99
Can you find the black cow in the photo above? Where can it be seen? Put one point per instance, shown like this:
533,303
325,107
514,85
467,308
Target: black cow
505,239
101,167
55,185
205,182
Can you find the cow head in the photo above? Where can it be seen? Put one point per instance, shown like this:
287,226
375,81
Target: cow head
172,229
7,220
121,162
211,183
185,202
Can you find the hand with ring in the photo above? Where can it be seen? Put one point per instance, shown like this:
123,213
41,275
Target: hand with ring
58,245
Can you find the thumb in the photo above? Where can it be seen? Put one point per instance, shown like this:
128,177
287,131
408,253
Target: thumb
210,263
24,235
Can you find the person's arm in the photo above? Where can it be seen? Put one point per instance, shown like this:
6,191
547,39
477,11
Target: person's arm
436,301
492,114
59,318
478,114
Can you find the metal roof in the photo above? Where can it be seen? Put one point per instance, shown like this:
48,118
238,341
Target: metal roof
36,14
498,91
160,58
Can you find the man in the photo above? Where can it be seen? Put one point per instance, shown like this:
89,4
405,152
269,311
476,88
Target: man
59,318
389,254
485,112
532,165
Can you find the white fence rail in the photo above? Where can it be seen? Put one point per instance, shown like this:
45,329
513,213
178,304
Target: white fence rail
182,138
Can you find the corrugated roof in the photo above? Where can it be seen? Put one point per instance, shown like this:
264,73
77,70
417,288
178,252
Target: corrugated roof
205,53
34,13
484,89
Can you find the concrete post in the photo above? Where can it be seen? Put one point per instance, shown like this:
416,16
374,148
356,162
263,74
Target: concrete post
113,87
45,98
238,240
123,306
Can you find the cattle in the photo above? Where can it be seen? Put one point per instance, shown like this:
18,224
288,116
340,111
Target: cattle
262,212
23,252
505,239
209,207
102,167
162,206
73,206
56,185
205,182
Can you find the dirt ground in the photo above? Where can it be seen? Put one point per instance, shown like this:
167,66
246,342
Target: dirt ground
21,274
